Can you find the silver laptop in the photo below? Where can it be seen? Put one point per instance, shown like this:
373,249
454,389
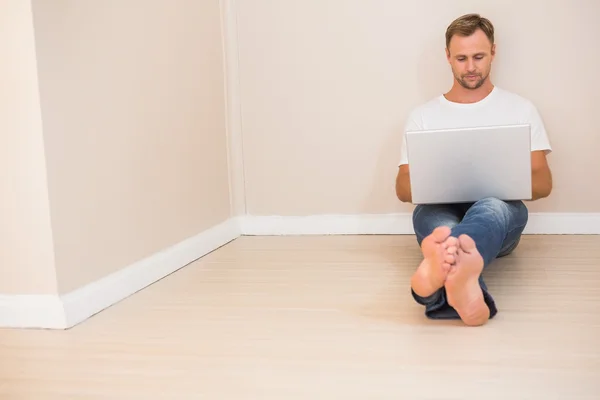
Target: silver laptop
468,164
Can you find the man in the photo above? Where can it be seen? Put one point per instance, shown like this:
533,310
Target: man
459,240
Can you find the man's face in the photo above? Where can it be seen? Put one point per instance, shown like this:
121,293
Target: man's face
471,59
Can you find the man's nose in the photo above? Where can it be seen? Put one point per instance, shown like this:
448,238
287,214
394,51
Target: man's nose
470,65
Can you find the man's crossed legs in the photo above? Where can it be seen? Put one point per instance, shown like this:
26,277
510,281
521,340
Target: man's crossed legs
458,241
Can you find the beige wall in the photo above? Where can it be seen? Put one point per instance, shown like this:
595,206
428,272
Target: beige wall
326,86
132,100
132,157
26,258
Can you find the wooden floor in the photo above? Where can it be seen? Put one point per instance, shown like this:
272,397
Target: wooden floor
326,318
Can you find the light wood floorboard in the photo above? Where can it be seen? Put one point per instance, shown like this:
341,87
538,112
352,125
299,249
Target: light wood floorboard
326,318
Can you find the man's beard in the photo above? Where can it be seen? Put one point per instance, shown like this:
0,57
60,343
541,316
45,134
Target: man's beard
477,84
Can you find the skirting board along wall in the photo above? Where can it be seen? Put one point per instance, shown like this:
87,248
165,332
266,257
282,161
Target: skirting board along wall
401,224
66,311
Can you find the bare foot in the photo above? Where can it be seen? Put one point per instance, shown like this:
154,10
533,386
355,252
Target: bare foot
439,251
462,284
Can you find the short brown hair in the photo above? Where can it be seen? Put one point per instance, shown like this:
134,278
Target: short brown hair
467,25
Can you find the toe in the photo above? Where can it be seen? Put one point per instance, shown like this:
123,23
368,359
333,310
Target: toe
467,244
451,241
441,233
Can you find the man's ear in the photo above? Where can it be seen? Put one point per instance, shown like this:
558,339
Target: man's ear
494,50
447,54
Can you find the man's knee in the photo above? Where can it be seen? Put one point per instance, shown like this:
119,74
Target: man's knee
520,211
426,218
421,213
510,210
518,208
493,203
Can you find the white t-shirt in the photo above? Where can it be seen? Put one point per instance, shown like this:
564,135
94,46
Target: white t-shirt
500,107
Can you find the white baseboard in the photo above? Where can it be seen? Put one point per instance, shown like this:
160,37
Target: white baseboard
89,300
32,311
63,312
401,224
563,224
377,224
66,311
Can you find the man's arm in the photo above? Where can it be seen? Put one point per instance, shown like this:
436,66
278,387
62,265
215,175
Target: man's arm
541,177
403,184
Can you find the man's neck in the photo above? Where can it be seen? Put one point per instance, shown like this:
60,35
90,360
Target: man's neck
459,94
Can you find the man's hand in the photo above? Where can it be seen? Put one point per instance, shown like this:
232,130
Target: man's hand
541,177
403,190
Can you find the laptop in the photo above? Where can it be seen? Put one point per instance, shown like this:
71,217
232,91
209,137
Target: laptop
464,165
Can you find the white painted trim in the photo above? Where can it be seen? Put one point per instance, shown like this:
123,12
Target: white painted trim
63,312
563,224
233,107
89,300
401,224
31,311
386,224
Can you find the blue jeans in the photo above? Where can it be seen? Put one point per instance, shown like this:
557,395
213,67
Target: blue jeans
495,226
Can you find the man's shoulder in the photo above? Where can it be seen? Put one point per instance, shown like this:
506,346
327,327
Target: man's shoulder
428,105
513,98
